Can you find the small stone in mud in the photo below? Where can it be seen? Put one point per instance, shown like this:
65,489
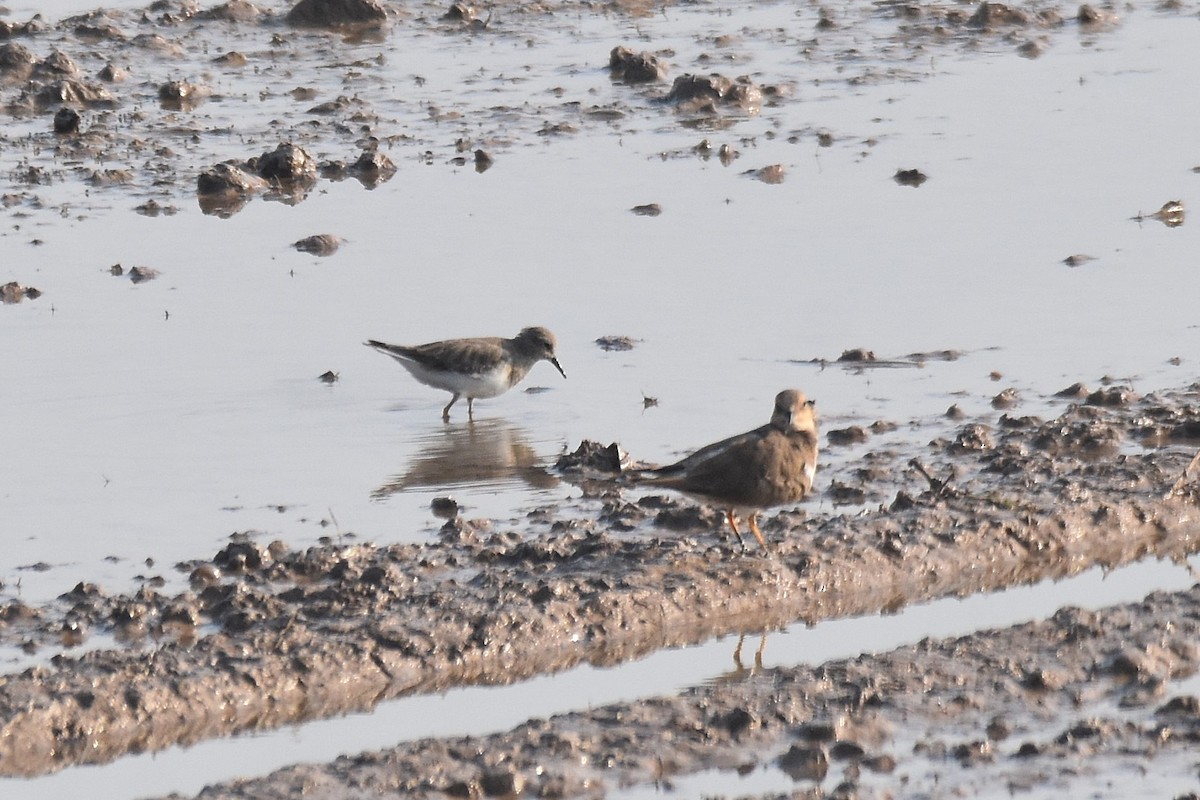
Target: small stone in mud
142,274
460,12
626,65
444,507
847,436
228,178
181,95
856,355
910,177
616,343
647,210
648,402
112,74
804,763
336,13
321,244
710,90
592,455
1075,391
204,575
1005,399
1170,214
72,633
954,412
483,161
66,121
1092,16
1112,397
843,494
773,174
1077,260
1032,48
998,729
502,783
73,92
973,438
13,292
329,376
287,163
993,15
230,59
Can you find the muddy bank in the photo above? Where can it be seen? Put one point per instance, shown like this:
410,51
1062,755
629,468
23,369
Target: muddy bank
146,103
1047,705
270,636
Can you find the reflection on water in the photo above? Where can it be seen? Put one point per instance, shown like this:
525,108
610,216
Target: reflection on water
740,673
492,451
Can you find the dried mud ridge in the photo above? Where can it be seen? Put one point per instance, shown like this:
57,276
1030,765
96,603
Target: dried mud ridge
270,636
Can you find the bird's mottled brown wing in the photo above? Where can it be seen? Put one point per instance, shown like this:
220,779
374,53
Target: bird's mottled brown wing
469,356
716,450
761,469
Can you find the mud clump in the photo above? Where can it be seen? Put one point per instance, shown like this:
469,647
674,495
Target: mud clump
630,67
698,92
321,244
336,13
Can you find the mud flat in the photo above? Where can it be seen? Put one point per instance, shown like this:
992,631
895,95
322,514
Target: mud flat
271,637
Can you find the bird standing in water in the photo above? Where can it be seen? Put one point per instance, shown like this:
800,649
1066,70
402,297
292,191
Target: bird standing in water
474,368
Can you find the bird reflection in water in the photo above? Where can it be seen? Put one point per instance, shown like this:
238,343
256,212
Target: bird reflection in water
740,673
486,452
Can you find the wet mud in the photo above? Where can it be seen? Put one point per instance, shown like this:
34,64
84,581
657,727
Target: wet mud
268,636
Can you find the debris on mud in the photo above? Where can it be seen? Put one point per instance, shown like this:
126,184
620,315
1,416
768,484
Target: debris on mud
619,343
647,210
1170,214
329,376
910,177
1078,260
13,292
773,174
630,67
336,13
320,244
709,92
142,274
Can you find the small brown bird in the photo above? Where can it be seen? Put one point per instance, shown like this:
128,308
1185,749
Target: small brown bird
768,466
481,367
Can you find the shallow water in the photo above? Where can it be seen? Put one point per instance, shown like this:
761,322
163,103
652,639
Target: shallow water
484,710
156,419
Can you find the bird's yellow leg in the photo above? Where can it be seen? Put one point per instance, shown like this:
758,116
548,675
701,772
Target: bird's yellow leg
757,533
733,524
446,410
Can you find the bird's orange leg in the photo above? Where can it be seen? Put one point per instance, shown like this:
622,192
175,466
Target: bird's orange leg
757,533
733,524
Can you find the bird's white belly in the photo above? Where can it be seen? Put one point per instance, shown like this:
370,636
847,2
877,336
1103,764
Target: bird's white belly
484,384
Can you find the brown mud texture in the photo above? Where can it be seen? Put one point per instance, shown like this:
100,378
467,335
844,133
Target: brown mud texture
297,636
